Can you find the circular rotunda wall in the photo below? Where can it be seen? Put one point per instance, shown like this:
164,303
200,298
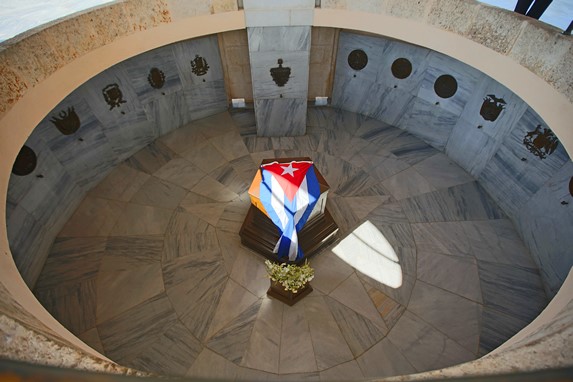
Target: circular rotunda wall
530,190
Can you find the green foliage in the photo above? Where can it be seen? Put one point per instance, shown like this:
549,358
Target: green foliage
291,277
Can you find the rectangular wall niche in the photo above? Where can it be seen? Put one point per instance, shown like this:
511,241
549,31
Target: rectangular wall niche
279,66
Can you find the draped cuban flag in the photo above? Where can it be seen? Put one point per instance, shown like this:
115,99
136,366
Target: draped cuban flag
288,192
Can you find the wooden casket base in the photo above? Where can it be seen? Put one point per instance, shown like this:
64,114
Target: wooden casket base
259,233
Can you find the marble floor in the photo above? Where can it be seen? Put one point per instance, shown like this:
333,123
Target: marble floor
150,271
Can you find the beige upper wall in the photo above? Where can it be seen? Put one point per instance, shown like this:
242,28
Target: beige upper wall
38,71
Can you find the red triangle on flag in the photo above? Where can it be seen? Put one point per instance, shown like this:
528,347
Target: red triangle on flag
289,175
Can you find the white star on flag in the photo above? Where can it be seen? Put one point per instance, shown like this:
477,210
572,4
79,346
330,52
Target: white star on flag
289,170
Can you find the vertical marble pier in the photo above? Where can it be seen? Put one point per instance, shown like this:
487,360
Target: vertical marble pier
279,50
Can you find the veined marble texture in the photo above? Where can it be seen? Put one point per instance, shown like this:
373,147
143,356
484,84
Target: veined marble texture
281,117
277,39
514,174
147,86
466,77
165,285
187,51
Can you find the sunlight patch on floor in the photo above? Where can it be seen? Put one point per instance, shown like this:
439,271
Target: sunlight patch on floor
367,250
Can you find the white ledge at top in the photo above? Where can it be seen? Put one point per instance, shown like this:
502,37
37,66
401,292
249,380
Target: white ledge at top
274,13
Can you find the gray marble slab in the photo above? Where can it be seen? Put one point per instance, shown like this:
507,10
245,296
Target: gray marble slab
466,77
546,222
428,122
509,179
183,348
455,316
515,291
168,112
186,51
425,347
465,202
139,68
384,360
281,117
497,328
277,39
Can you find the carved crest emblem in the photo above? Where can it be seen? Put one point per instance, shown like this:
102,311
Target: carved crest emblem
67,122
541,143
199,66
279,74
491,107
156,78
113,96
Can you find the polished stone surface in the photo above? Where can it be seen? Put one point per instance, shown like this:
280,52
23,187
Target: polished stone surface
150,271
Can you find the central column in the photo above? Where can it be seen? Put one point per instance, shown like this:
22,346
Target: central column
279,50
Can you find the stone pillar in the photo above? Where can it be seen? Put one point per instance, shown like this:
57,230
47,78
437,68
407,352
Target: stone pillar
279,49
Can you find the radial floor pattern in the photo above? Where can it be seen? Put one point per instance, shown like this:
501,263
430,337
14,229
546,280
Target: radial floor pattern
150,270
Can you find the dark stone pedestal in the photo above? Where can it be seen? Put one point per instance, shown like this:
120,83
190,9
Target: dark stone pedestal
277,291
259,233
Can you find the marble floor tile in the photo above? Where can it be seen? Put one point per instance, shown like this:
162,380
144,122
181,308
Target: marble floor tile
232,341
359,332
151,158
180,172
233,216
186,235
496,328
383,167
209,212
120,290
91,338
141,220
387,213
497,241
352,294
410,149
296,348
349,371
179,343
330,348
227,176
314,377
126,252
205,157
93,217
74,308
216,125
159,193
401,294
258,144
136,329
234,300
246,374
406,184
194,286
329,271
342,214
183,139
209,364
384,360
361,206
250,272
455,274
442,237
442,172
230,245
212,189
230,145
468,201
424,347
455,316
245,121
71,261
263,351
390,310
246,168
121,184
513,290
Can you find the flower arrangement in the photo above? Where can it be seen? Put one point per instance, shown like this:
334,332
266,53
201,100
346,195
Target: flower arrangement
292,277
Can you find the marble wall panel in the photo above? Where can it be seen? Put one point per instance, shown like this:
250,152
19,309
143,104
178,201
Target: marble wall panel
87,154
69,165
514,174
429,122
466,77
374,47
186,53
280,117
280,110
144,83
546,227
